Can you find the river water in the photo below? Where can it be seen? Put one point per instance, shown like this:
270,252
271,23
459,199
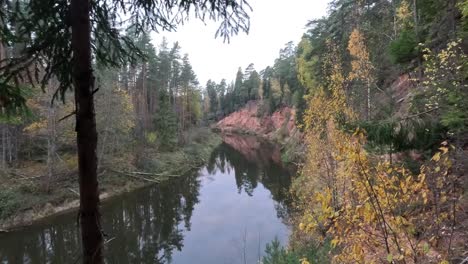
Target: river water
225,212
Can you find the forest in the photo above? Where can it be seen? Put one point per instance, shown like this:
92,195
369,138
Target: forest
379,91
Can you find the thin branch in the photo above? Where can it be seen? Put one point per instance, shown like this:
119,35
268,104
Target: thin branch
67,116
73,191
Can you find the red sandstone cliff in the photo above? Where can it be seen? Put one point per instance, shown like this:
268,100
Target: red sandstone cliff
248,120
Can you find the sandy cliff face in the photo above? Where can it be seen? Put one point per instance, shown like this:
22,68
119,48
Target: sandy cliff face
247,120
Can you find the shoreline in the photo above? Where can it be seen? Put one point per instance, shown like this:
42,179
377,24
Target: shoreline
112,185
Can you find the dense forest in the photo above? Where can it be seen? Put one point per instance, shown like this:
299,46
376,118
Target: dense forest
380,94
152,101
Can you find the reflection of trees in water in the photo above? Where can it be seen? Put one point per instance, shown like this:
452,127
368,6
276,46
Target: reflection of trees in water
147,226
154,222
144,228
54,244
253,165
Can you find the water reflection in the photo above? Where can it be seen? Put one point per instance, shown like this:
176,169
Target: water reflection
141,227
150,225
254,161
146,227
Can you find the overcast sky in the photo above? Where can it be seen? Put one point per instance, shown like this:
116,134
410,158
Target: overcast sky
273,23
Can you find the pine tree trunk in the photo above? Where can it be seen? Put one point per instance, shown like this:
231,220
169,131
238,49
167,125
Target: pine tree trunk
2,126
452,18
416,33
368,102
4,145
91,236
144,97
51,138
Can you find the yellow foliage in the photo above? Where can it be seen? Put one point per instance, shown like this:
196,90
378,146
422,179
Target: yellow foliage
361,66
36,126
403,15
370,209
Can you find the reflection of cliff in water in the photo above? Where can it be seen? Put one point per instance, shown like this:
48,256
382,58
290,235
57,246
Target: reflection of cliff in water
142,228
254,160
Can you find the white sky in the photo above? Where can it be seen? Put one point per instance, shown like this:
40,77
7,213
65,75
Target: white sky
273,23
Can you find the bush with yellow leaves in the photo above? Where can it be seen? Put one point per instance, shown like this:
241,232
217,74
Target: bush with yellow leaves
374,211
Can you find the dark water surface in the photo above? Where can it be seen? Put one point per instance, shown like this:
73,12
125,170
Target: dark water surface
223,213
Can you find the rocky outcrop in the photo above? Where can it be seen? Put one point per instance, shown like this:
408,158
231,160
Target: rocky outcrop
248,120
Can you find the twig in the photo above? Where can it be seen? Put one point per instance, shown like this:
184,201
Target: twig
464,261
419,114
67,116
408,116
73,191
109,240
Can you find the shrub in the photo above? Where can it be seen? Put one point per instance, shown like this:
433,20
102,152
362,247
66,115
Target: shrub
277,254
9,203
404,48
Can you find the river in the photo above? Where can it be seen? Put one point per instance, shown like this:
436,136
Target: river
224,212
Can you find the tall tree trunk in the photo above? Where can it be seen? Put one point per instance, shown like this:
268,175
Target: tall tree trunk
144,97
51,136
416,33
83,79
4,146
368,110
2,49
2,125
452,18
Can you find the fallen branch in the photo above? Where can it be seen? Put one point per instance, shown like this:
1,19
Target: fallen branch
129,174
145,173
109,240
464,261
419,114
30,178
73,191
153,174
141,178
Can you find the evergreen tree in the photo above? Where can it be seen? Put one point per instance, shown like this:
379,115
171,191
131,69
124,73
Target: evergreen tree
213,97
238,93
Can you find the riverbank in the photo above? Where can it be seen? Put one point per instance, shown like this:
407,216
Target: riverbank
27,196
